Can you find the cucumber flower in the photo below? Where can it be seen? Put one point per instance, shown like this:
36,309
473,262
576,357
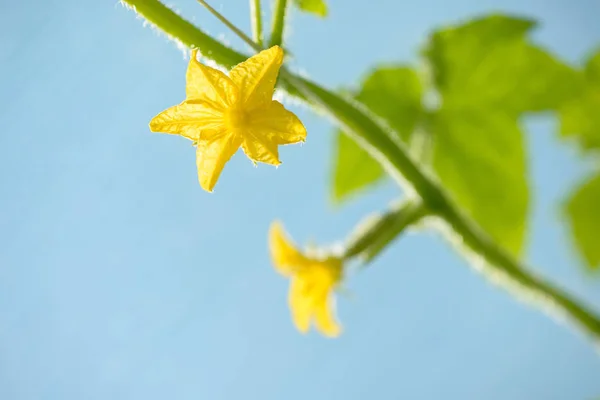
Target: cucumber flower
223,113
313,279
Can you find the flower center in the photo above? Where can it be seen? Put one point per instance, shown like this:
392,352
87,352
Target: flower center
236,119
324,273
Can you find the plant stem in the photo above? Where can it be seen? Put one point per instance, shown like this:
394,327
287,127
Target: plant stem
375,137
278,24
256,19
518,278
394,157
231,26
184,32
375,232
408,215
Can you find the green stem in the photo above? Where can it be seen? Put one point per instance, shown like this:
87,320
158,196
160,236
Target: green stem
393,156
376,232
409,215
501,268
256,18
182,31
377,139
278,23
231,26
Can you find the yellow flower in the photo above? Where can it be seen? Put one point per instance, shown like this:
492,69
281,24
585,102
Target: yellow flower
222,113
312,281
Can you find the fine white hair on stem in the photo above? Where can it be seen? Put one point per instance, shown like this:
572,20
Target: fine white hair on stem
155,29
521,292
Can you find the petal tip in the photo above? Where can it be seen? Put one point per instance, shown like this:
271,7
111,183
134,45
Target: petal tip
207,187
276,227
276,233
276,51
331,331
154,124
301,326
333,335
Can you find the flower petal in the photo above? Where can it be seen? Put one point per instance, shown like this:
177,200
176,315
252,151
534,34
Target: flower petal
256,77
286,258
214,149
278,124
325,317
300,304
264,150
187,119
209,84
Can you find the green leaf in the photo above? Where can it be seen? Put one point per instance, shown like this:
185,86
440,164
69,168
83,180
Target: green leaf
447,48
354,168
581,116
489,63
487,74
394,94
317,7
583,211
480,157
592,68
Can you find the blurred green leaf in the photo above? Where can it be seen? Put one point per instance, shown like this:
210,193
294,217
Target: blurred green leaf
354,168
489,63
592,68
583,211
480,157
317,7
394,94
581,116
447,48
487,74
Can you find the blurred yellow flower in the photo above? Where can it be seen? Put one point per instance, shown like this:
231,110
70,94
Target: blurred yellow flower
312,281
222,113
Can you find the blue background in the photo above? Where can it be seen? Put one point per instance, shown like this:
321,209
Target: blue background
121,279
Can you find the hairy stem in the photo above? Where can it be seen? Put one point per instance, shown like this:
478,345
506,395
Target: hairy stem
278,24
183,31
231,26
503,269
372,136
256,19
382,144
376,232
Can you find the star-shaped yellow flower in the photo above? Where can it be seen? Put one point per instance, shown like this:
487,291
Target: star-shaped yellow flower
313,280
222,113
